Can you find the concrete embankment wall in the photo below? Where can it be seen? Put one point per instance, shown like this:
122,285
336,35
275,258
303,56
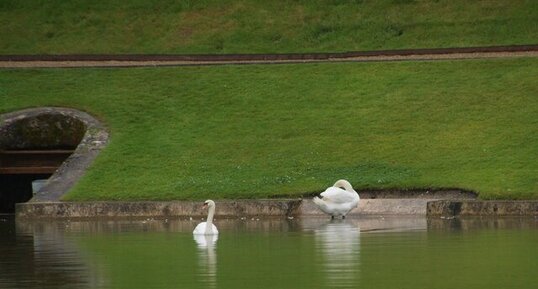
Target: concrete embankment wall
226,208
274,208
453,208
385,202
238,208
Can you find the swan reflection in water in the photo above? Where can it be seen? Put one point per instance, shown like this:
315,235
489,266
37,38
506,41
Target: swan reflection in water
339,244
207,259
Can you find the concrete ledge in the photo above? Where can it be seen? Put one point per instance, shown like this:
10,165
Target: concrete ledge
225,208
238,208
375,207
272,208
452,208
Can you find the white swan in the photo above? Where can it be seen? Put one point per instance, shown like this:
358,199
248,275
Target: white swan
207,228
337,202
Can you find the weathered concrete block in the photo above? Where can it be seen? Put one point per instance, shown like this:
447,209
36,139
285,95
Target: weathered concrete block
482,208
272,208
239,208
375,207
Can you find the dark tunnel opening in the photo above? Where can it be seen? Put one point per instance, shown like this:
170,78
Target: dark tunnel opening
16,188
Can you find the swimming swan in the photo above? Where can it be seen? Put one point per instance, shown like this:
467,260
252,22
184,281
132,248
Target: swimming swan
207,228
338,202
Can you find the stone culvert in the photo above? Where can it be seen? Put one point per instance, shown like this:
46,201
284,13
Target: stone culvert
31,139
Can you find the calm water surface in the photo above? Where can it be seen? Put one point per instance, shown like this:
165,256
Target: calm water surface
370,252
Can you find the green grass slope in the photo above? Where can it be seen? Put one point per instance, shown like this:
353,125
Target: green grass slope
285,130
254,26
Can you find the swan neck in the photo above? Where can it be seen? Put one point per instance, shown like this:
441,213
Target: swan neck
210,215
344,184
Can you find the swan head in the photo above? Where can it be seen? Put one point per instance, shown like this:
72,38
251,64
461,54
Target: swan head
209,204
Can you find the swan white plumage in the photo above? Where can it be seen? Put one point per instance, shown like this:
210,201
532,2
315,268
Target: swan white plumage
336,201
207,228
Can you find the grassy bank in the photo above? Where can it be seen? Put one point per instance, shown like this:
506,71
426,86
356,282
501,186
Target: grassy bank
280,130
252,26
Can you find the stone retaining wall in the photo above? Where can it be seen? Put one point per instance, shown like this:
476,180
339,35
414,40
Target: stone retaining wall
224,208
453,208
156,209
273,208
375,207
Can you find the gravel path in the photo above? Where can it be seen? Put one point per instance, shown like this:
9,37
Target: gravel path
66,61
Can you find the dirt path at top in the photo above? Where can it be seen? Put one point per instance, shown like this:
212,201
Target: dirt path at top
66,61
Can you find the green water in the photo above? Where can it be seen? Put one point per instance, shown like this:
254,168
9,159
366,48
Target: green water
300,253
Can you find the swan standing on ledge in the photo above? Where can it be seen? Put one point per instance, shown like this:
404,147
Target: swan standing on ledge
336,201
207,228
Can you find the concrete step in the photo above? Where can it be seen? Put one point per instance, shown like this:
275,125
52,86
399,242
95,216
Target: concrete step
375,207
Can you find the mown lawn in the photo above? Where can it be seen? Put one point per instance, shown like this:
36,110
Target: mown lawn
256,131
255,26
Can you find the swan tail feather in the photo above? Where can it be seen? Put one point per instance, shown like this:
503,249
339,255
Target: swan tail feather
318,201
321,204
